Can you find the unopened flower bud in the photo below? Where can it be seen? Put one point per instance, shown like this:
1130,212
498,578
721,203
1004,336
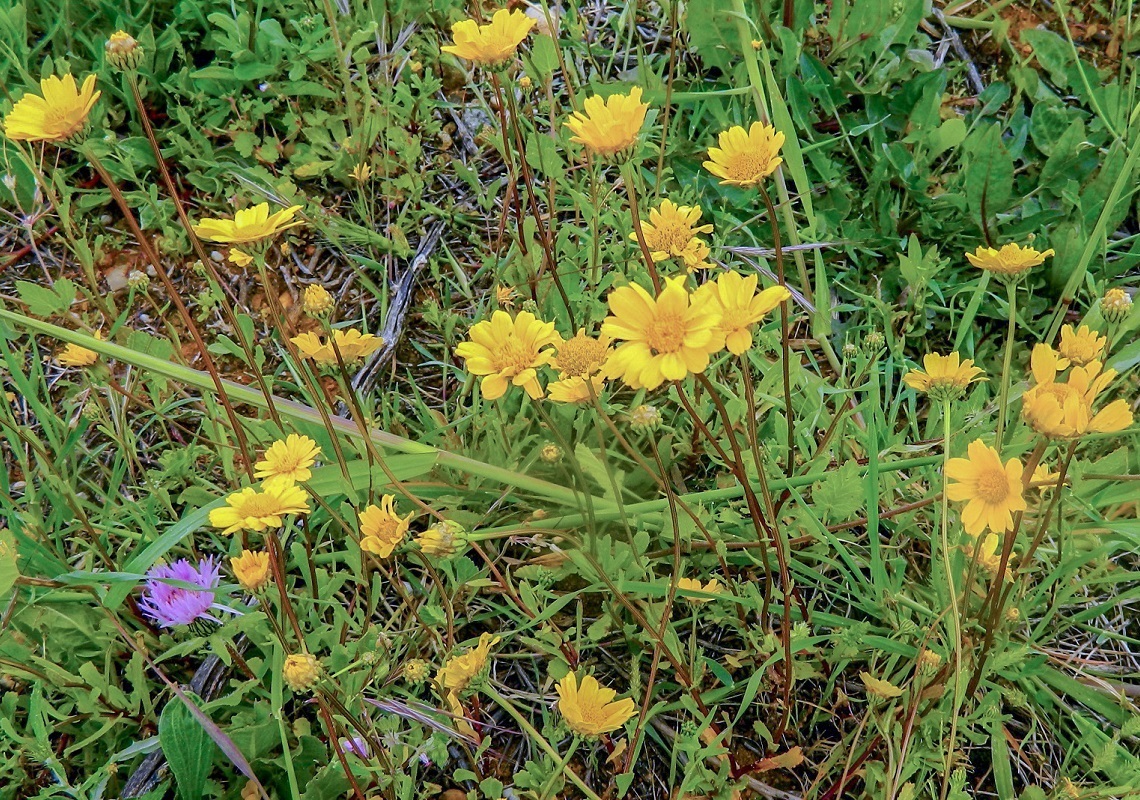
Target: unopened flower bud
316,301
645,418
123,51
1116,305
443,539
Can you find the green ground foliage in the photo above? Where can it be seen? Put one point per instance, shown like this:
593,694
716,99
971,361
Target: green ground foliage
864,637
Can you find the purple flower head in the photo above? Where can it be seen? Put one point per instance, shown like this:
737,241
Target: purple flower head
170,605
356,746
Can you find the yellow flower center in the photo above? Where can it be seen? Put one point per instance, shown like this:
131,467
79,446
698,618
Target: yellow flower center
581,356
513,357
993,486
670,235
261,505
746,165
666,333
386,528
1060,392
734,319
60,119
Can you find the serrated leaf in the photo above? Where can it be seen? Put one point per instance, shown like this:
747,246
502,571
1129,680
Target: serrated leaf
840,494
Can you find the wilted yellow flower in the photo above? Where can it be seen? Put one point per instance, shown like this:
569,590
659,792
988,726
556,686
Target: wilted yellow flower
249,226
589,709
1065,410
381,528
745,158
458,673
239,258
301,671
255,510
60,114
694,585
352,344
696,256
945,378
73,355
581,355
735,299
608,127
251,569
1008,262
505,296
361,172
123,52
1043,477
671,229
443,539
879,687
1080,346
316,300
1116,305
575,390
288,460
666,337
989,554
928,661
992,491
508,352
492,44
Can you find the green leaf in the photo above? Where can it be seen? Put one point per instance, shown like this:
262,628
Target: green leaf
712,33
8,569
187,747
840,494
989,173
45,302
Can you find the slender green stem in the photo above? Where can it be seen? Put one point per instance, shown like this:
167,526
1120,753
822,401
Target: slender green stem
278,693
559,769
628,176
955,619
1003,396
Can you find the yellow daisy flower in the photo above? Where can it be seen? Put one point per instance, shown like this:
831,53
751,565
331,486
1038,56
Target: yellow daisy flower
745,158
492,44
288,460
879,687
694,585
251,569
381,528
608,127
740,307
992,491
457,674
575,389
946,377
666,337
57,116
581,355
1080,346
508,352
671,229
1010,261
1065,410
73,355
589,708
361,172
255,510
352,344
249,225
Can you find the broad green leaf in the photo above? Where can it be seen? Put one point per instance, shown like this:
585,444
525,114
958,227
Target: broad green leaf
187,747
